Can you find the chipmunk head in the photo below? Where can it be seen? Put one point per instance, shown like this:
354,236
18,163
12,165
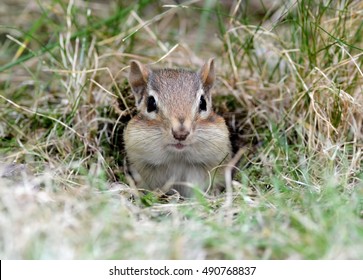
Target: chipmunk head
178,99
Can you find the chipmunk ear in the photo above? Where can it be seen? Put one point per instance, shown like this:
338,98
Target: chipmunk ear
138,78
207,74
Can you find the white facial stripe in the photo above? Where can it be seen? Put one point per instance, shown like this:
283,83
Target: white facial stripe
203,114
200,92
154,94
152,115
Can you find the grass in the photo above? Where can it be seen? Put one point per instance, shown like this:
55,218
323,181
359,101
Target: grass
289,85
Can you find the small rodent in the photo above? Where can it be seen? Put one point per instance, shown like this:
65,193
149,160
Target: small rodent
176,138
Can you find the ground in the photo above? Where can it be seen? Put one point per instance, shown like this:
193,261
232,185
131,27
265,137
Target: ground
289,84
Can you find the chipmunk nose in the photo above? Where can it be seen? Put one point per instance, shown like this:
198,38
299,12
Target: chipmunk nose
181,128
180,135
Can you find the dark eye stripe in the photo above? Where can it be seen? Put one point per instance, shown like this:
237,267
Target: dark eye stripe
151,104
202,104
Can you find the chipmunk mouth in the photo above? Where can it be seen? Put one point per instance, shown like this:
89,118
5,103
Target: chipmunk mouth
178,146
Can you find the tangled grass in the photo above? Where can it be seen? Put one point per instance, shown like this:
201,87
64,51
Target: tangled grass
289,86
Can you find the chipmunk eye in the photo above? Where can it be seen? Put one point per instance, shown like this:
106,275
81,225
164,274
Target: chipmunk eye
202,104
151,104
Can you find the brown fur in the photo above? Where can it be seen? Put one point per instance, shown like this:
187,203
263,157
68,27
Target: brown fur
153,139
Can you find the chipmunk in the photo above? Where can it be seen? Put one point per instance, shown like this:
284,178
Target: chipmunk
176,138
